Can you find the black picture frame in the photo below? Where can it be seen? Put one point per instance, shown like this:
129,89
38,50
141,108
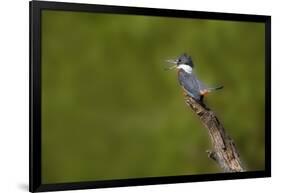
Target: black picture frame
35,183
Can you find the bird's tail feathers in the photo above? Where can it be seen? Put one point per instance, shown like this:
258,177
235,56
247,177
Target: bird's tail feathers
215,88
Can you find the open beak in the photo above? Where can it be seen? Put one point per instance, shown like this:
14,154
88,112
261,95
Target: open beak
173,62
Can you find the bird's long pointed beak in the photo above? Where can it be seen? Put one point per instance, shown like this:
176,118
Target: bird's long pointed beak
172,67
171,61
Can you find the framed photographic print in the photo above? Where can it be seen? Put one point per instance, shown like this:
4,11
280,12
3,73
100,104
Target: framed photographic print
124,96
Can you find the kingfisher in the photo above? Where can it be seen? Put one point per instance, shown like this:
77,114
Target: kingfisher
189,82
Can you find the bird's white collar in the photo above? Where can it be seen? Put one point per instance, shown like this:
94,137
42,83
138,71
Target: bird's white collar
186,68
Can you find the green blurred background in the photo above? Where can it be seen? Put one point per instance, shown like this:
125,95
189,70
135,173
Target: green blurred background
111,111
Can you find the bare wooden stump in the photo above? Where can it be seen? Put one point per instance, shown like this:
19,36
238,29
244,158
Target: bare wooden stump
224,150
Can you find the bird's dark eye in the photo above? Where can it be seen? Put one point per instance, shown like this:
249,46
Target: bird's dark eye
179,60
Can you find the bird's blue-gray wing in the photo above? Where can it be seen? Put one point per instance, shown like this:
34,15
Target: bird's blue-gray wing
190,84
201,85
